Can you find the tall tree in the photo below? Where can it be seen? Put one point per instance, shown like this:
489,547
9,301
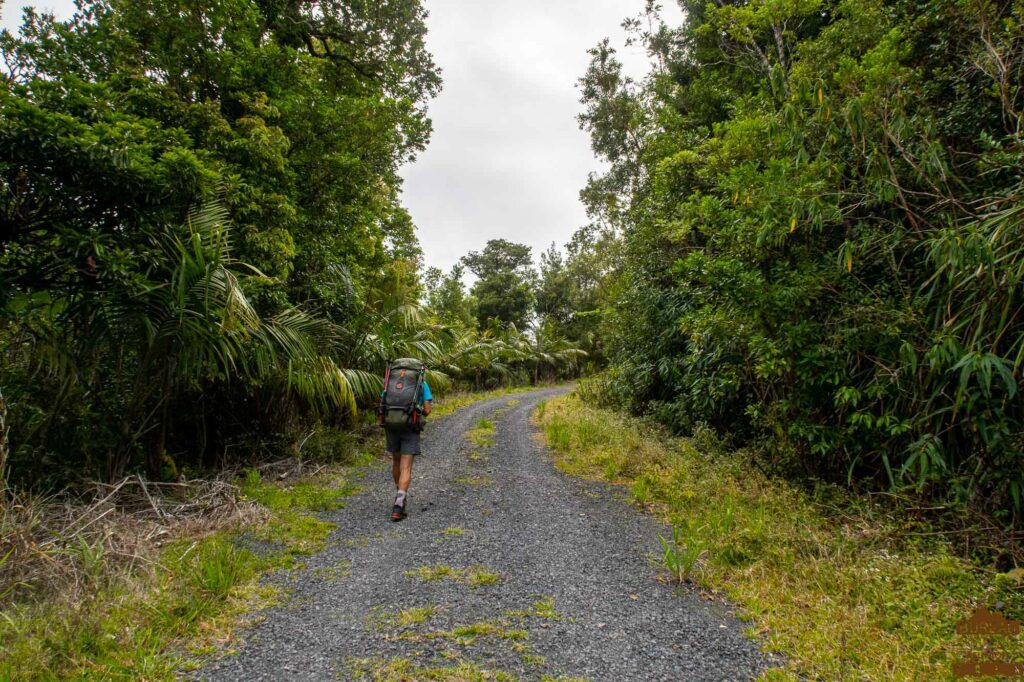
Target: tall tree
505,284
447,297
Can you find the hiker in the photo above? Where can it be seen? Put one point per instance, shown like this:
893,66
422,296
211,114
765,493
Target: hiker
405,401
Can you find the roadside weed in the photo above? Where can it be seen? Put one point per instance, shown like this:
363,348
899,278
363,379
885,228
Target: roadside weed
682,554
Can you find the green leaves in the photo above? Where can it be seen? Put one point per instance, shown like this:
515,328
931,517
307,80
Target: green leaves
823,240
284,120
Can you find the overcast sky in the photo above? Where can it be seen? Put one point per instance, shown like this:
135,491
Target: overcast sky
507,159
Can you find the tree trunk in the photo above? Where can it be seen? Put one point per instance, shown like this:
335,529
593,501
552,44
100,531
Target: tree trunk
3,445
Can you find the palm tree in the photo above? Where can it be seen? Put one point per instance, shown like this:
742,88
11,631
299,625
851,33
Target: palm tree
187,321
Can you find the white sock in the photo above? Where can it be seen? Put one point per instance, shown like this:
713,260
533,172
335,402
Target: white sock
400,498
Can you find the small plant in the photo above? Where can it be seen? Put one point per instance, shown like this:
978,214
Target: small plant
682,554
432,573
404,619
477,576
218,567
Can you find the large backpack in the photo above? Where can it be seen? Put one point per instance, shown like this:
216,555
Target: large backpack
403,381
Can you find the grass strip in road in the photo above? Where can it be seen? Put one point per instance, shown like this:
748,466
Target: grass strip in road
840,586
406,670
482,435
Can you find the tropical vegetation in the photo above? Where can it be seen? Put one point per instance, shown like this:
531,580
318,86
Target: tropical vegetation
203,255
818,222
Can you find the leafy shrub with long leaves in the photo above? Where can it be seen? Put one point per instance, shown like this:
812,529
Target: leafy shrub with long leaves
178,325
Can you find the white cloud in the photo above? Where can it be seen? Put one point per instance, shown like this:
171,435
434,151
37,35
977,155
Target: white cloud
507,159
10,12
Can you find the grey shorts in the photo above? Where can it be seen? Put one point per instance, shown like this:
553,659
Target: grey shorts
403,442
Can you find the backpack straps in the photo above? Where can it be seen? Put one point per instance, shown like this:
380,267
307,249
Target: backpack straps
414,409
384,393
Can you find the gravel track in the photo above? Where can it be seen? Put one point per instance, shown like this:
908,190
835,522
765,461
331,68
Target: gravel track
545,534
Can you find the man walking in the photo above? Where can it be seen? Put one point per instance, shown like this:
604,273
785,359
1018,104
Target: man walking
405,401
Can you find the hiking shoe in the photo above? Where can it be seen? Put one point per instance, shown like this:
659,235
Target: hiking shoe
397,513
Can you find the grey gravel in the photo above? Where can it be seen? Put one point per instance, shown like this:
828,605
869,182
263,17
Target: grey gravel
546,534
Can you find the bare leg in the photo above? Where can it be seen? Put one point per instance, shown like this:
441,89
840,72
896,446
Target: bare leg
404,469
395,466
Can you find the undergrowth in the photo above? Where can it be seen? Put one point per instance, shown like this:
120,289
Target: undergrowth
844,587
180,600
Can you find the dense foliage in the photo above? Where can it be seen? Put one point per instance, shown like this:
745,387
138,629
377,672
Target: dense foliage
822,234
203,257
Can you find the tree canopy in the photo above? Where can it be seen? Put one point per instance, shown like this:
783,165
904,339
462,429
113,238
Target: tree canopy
504,290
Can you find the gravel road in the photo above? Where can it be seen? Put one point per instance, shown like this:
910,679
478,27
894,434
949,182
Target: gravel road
550,539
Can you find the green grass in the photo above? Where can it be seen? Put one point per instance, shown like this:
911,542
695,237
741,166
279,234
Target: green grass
482,435
149,622
403,619
468,634
476,576
845,589
542,608
333,573
193,601
403,670
481,481
453,530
